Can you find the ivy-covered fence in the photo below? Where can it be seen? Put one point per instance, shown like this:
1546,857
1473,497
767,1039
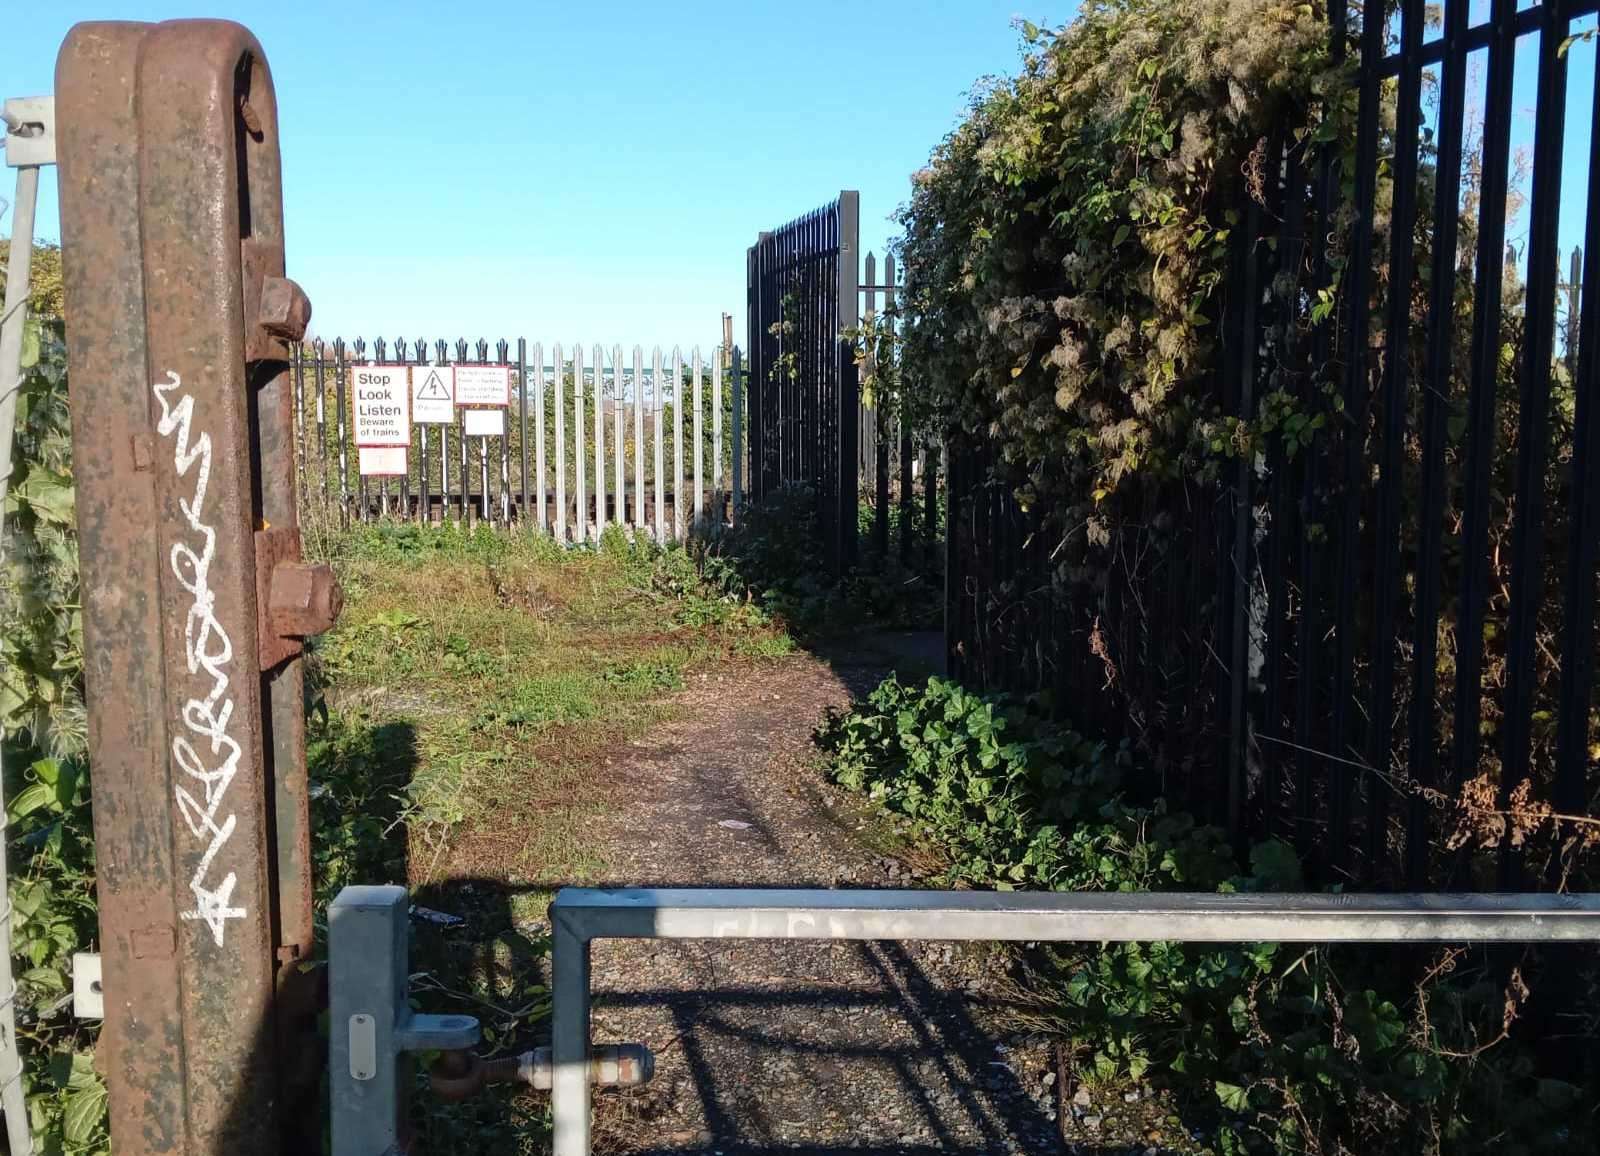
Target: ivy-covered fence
1266,453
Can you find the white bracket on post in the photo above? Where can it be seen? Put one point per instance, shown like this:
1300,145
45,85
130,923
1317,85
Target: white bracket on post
30,131
88,998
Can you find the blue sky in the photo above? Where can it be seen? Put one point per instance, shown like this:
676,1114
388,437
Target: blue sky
565,170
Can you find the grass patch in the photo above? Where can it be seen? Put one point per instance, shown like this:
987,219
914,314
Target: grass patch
512,661
473,684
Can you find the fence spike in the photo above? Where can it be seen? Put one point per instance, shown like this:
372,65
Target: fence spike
580,523
561,446
541,514
658,406
699,438
717,359
599,443
619,502
638,439
677,443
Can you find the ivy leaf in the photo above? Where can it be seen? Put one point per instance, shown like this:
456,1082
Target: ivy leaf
50,497
1233,1097
30,799
85,1109
30,343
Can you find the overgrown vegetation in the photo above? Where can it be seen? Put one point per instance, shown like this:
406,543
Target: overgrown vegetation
514,659
773,558
49,839
1066,254
1064,246
1271,1048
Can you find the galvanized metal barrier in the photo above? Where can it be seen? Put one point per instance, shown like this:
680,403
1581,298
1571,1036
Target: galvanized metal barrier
580,916
372,1029
195,600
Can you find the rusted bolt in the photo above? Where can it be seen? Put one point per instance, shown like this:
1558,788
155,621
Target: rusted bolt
252,119
285,311
304,599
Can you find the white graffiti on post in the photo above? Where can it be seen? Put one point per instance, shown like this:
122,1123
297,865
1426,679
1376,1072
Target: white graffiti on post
207,648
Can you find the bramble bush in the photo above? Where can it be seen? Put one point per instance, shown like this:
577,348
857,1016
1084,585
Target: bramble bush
1271,1048
1065,243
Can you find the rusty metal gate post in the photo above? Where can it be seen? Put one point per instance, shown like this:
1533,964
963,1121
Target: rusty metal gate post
195,600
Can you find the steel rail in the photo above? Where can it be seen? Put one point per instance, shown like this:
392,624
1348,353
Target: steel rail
579,916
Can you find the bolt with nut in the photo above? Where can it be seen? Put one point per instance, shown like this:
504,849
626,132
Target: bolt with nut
304,599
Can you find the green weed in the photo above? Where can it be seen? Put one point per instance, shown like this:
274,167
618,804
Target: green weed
1273,1049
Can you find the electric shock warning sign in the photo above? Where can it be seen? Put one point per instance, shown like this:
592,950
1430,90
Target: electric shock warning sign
433,395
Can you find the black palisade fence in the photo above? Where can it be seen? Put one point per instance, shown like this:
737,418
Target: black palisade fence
1368,636
804,393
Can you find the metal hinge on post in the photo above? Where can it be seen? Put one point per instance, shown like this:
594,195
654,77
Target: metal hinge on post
30,143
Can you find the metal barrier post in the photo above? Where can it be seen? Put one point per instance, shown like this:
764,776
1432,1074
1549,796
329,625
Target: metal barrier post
195,601
569,1038
371,1026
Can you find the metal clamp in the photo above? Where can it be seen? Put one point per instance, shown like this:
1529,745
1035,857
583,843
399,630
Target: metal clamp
459,1074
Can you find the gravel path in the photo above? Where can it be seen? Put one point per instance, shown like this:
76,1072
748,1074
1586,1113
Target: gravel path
815,1047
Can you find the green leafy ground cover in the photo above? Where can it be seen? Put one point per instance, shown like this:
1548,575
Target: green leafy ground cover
1271,1047
49,843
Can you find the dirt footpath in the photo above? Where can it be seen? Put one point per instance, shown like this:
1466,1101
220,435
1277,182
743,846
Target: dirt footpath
805,1046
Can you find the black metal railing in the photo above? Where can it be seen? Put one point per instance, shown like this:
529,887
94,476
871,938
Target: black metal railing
1328,644
804,396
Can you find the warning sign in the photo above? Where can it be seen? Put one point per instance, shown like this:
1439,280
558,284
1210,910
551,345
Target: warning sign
381,461
380,396
483,385
483,423
433,394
